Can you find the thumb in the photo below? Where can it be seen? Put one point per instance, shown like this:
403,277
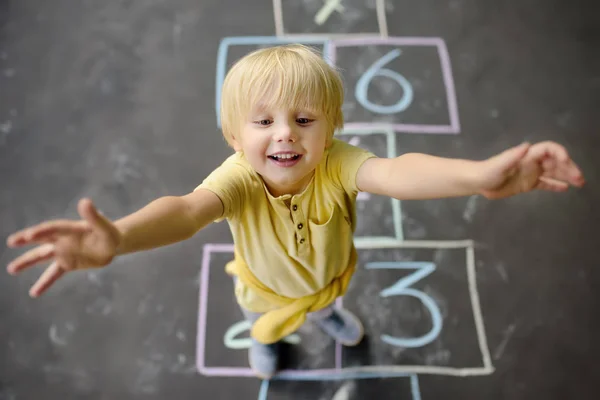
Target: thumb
509,158
88,212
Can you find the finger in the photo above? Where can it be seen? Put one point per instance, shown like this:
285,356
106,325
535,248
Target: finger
46,231
39,254
508,159
567,172
88,211
48,277
553,150
551,185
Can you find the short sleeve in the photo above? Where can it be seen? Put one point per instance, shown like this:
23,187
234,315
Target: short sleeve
343,163
230,182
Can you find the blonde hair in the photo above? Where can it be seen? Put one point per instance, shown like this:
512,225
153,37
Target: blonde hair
293,76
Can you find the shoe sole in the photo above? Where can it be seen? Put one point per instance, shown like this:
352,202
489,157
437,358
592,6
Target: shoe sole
257,373
360,325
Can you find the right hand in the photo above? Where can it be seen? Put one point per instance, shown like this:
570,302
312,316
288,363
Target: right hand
70,245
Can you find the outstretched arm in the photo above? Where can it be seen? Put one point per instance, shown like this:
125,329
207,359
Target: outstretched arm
545,166
94,240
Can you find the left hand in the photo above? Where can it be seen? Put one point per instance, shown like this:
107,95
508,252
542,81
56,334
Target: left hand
542,166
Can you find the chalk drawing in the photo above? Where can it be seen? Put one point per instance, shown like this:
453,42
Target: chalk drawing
379,9
329,7
231,342
357,372
414,383
401,288
395,203
362,86
329,51
452,128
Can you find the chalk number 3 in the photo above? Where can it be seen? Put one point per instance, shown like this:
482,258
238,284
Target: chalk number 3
401,288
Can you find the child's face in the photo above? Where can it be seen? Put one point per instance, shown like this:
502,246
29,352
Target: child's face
283,146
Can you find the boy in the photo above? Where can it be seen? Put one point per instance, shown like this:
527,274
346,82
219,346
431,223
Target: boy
288,194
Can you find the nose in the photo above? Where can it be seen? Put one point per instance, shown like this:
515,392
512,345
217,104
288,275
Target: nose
284,133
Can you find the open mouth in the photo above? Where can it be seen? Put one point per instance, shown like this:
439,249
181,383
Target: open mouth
285,160
285,157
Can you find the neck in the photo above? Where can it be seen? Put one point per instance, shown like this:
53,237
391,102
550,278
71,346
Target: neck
296,188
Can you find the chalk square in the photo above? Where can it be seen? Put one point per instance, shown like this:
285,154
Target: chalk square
400,386
348,363
330,17
423,296
402,82
379,218
222,342
232,49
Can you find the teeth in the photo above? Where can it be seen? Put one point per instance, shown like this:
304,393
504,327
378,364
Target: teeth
285,156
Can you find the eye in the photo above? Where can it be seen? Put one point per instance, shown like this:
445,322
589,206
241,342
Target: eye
263,122
304,121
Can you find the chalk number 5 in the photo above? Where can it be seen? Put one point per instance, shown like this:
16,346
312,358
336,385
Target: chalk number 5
401,288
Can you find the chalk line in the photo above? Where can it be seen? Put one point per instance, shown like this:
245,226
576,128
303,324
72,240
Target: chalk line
477,314
414,385
381,18
278,15
329,7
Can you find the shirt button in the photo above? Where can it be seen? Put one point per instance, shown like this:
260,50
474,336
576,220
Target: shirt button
295,207
300,226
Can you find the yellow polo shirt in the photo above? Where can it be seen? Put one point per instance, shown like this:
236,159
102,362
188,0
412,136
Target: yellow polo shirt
292,246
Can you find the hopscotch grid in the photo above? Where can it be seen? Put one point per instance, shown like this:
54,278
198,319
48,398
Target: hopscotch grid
331,373
330,42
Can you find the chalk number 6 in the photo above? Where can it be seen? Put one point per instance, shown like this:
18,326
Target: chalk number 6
376,69
401,288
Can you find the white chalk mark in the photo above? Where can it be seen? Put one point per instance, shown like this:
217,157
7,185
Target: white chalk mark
470,208
502,272
508,333
329,7
278,14
381,20
53,335
56,338
477,314
6,127
345,391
